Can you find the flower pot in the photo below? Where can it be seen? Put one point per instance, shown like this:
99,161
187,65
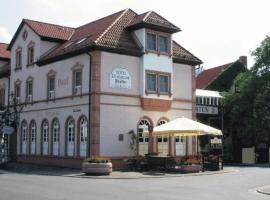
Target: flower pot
96,168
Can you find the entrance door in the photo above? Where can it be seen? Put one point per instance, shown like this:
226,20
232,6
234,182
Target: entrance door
45,140
24,137
56,137
143,138
71,138
163,148
180,146
83,137
33,137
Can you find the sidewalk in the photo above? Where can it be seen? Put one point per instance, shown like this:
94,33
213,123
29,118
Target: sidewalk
142,175
16,168
264,190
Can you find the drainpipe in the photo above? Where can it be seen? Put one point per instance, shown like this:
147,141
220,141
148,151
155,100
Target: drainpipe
89,103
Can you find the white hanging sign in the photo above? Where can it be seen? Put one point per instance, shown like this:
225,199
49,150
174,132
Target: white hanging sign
120,78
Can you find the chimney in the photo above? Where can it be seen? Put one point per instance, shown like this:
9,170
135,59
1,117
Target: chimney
243,60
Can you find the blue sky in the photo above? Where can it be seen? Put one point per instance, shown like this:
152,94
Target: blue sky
216,31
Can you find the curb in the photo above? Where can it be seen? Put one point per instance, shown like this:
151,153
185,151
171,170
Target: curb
151,176
260,190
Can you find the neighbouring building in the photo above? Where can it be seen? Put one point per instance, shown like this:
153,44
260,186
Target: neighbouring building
210,84
86,88
4,91
4,74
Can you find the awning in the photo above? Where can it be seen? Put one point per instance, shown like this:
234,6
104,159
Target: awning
184,127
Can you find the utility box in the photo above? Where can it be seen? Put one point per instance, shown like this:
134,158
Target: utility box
248,155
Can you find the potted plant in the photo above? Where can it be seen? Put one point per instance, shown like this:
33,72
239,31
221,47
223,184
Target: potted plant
97,165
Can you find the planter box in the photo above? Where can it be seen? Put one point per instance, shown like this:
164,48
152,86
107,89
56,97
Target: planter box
96,168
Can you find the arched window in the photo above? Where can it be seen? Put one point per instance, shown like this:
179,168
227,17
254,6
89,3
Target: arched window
33,135
45,137
83,136
143,138
70,137
24,137
162,121
55,137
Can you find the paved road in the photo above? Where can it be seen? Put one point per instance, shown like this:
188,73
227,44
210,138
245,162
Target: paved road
231,186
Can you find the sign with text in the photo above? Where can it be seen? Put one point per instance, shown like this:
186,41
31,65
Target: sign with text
211,110
120,78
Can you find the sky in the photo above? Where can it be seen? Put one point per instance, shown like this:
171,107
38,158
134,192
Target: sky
216,31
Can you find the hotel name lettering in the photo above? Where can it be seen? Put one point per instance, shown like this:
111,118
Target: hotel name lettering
120,78
207,110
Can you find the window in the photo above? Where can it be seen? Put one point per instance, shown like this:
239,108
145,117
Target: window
151,41
77,82
143,125
71,129
83,136
45,137
29,91
17,92
24,132
163,83
83,130
151,81
19,59
55,137
163,44
33,132
56,131
81,40
24,137
157,82
30,55
162,121
51,87
45,131
158,42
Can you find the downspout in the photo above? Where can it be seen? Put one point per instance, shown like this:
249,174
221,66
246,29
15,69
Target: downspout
89,103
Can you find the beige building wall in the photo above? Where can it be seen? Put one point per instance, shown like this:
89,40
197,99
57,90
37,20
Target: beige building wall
121,110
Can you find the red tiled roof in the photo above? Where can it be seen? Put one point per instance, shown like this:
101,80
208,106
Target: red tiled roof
107,32
150,19
208,76
50,30
182,55
45,31
4,53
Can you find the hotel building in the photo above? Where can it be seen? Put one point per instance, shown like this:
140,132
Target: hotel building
86,88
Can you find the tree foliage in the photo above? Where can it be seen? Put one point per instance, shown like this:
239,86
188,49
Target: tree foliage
248,109
262,57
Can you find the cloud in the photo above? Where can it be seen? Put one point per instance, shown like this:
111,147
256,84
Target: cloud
5,35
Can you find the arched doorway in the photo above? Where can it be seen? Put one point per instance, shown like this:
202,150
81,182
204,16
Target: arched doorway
143,124
70,137
83,136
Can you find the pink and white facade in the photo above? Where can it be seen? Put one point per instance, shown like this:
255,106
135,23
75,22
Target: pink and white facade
87,87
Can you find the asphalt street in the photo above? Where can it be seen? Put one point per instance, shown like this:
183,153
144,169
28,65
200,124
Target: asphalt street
240,184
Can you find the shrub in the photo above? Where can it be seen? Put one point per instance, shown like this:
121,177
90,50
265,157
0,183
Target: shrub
97,159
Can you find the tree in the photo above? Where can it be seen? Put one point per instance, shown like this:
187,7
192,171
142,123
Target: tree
10,116
248,109
262,57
